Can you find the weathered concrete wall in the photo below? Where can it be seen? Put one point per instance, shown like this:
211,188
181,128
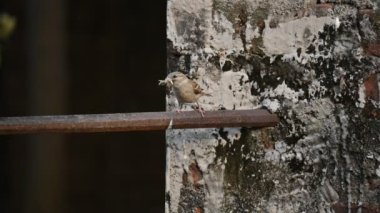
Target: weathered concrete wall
314,63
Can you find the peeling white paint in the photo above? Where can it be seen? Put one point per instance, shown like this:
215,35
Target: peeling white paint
313,125
193,10
289,36
224,40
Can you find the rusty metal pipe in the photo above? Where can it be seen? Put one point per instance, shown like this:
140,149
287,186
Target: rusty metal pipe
146,121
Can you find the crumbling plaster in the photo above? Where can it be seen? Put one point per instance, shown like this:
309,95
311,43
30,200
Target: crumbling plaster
313,63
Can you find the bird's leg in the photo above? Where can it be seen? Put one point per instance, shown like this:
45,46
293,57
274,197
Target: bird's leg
180,108
200,110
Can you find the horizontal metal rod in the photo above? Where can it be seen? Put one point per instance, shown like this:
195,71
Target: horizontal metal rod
146,121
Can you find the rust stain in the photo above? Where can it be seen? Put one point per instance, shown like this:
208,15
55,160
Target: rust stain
198,210
371,85
196,173
374,183
261,25
369,12
373,49
265,139
365,208
325,6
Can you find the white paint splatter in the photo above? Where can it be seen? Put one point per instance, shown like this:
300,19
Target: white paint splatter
272,105
337,23
361,100
282,90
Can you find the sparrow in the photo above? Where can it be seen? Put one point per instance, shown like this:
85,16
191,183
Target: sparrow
185,90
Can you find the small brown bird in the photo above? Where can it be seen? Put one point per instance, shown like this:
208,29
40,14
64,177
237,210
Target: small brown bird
186,90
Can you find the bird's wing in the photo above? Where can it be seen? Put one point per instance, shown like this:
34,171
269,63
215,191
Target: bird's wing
196,87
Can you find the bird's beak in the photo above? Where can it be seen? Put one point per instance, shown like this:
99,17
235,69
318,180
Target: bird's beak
168,80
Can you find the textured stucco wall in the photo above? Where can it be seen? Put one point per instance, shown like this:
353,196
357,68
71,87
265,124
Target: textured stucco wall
316,65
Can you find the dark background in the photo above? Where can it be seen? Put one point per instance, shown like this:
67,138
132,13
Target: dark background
81,57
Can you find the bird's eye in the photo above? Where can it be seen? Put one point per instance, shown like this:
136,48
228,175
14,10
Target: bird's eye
174,76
